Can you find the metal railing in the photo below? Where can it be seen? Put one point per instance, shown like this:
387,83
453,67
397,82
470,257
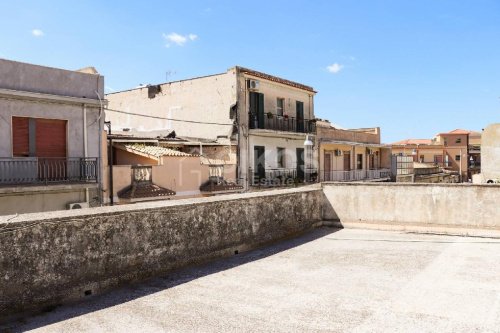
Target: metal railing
37,170
282,123
282,176
354,175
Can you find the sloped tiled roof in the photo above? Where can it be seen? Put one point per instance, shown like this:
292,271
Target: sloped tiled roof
457,131
143,190
155,151
275,79
413,142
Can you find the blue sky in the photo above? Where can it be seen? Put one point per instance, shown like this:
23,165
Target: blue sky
414,68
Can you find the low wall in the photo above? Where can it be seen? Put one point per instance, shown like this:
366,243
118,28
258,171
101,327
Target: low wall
50,258
464,207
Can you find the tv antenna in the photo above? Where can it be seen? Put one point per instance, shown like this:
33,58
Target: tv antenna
169,74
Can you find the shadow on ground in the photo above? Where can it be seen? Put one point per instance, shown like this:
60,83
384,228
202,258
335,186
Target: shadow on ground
151,286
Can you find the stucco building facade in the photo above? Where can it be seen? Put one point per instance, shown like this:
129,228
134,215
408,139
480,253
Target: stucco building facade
351,154
50,122
458,151
267,117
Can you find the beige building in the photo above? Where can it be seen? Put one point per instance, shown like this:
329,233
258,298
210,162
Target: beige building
457,151
351,155
490,151
268,117
149,168
50,121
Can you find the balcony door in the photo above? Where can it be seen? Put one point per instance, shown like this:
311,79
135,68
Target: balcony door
257,118
300,163
328,166
300,116
259,162
347,161
44,139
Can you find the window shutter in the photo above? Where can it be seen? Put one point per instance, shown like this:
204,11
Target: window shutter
50,138
20,137
261,110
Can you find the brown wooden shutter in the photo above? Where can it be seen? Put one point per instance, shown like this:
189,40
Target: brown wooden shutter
20,136
50,138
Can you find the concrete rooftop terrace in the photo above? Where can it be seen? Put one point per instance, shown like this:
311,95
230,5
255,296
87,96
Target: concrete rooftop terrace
328,280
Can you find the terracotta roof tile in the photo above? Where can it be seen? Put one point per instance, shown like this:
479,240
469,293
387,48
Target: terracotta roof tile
413,142
155,151
144,190
275,79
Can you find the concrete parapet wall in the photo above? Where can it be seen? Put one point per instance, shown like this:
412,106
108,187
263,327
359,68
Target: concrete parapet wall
55,257
449,205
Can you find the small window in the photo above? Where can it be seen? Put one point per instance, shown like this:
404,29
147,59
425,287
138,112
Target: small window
281,157
457,157
459,140
280,106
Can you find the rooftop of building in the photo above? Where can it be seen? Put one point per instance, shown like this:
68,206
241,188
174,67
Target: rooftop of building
413,142
240,69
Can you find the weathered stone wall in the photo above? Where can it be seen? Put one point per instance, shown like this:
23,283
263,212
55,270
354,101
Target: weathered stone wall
50,258
460,206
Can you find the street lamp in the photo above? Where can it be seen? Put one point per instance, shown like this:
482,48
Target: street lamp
308,145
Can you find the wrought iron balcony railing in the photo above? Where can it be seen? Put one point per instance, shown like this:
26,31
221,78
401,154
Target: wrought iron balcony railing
37,170
283,176
354,175
282,123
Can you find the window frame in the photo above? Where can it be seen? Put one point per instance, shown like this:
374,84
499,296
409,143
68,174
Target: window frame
278,112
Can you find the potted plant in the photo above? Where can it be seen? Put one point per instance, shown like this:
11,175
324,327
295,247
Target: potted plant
285,116
270,115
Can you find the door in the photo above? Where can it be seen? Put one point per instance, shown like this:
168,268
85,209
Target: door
328,167
300,163
300,117
259,162
50,147
257,110
347,161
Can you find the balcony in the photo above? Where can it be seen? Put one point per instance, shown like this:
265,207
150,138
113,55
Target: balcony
355,175
282,123
34,170
282,176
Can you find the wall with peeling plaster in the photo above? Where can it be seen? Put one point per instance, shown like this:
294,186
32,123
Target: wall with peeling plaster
50,258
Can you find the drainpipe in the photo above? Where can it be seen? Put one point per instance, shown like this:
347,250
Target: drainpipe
99,159
85,144
110,163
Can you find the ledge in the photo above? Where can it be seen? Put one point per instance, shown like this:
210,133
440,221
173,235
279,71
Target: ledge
25,189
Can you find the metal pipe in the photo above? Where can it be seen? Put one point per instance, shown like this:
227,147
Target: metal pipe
110,163
101,108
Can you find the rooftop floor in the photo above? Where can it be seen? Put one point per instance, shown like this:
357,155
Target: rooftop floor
327,280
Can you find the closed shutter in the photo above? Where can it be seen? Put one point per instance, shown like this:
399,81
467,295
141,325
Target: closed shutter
261,110
50,138
20,136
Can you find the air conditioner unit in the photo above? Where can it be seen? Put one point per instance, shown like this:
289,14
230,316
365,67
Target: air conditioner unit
78,205
338,152
253,84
